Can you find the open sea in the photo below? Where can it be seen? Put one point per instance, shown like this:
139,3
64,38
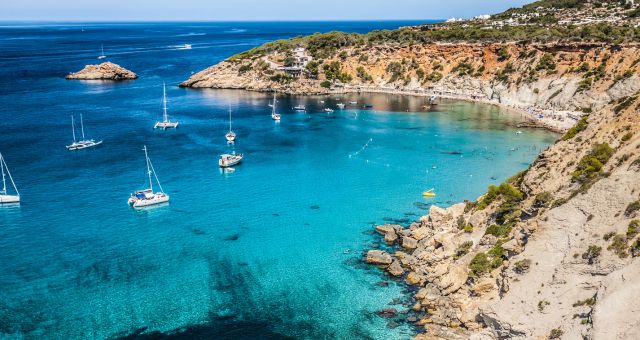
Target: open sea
270,251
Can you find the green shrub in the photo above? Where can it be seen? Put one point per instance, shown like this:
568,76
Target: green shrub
244,69
463,249
590,166
633,229
480,264
635,248
555,333
463,68
505,191
326,84
585,84
313,68
627,136
632,208
592,253
619,246
282,78
498,230
542,199
363,75
546,62
468,228
624,104
395,69
522,266
434,76
608,235
587,302
580,126
503,54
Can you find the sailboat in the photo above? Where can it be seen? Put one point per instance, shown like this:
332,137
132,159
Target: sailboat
83,143
231,136
165,123
102,56
275,116
146,197
4,195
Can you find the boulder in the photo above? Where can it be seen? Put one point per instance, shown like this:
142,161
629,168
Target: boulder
395,268
378,257
409,243
413,278
387,228
390,237
453,280
488,240
485,285
438,215
420,233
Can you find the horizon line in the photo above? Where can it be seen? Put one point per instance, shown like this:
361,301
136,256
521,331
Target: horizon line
203,21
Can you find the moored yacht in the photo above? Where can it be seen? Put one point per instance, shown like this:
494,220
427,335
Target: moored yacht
146,197
83,143
340,106
300,108
328,110
231,136
165,123
102,56
5,197
227,160
274,115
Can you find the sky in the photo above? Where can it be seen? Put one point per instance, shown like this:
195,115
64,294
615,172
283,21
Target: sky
247,10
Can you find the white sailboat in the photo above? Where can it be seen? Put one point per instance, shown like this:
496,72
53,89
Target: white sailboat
102,56
146,197
275,116
4,194
165,123
231,136
83,143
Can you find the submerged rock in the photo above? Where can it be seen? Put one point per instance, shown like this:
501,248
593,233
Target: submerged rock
387,312
104,71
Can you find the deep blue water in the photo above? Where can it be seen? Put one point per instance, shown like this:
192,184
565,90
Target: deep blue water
272,250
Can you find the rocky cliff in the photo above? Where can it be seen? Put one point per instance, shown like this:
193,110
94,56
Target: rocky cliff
104,71
550,253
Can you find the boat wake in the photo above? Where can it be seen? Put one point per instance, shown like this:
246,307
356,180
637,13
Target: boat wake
366,145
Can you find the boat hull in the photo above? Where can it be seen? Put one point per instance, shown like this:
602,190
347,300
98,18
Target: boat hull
166,125
9,199
83,145
157,199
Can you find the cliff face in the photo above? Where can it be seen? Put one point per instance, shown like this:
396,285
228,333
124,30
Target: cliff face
104,71
553,251
561,77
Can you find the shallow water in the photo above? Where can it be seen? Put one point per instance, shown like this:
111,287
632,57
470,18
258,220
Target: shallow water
272,250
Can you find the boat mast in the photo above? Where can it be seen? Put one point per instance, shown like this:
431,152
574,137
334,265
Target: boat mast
73,129
3,164
164,102
102,48
146,156
82,126
4,183
273,108
229,119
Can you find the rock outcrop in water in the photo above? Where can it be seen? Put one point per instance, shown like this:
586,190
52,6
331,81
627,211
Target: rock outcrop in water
104,71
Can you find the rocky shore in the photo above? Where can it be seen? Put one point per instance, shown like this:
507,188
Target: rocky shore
551,253
104,71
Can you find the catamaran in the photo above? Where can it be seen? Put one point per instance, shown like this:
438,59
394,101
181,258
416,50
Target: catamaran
83,143
102,56
275,116
227,160
146,197
4,195
165,123
231,136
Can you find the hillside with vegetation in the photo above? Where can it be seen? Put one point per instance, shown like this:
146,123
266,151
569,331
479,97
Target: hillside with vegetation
551,253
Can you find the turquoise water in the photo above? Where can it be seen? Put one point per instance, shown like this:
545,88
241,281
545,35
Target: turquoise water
272,250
